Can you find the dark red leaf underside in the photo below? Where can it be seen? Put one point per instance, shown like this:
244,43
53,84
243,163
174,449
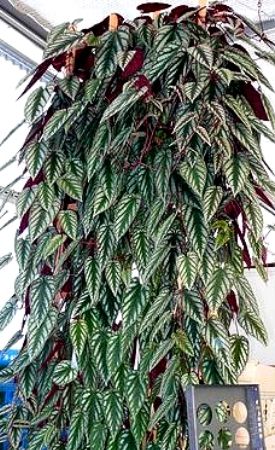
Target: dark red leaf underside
255,100
134,65
179,11
232,302
147,8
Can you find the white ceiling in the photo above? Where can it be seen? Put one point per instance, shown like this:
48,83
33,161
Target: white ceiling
92,11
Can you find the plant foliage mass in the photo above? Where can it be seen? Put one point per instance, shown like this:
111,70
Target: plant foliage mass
142,209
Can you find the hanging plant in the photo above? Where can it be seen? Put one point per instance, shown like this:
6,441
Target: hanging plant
142,210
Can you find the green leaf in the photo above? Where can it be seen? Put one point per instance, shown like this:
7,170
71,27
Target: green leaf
253,326
126,212
169,440
236,170
194,173
76,433
254,217
126,441
64,373
139,425
156,309
92,270
79,334
163,349
112,43
25,200
196,228
4,260
46,195
28,379
54,166
113,275
218,286
163,410
106,242
203,134
136,392
101,201
53,244
35,156
239,346
40,220
68,223
163,165
69,86
113,409
203,54
38,333
71,185
124,102
36,103
62,42
97,436
141,248
188,268
42,293
211,201
134,302
8,311
91,89
114,353
193,305
183,343
217,338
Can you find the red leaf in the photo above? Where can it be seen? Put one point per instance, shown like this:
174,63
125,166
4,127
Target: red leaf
27,302
146,8
221,8
34,181
59,61
264,255
40,70
246,257
134,65
232,209
99,28
142,81
232,302
262,195
24,222
177,12
46,270
255,100
84,61
245,252
158,370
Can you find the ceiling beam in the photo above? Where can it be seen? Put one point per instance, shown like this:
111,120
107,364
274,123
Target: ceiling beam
23,23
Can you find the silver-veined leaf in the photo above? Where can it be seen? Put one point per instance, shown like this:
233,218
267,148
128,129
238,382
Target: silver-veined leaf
194,173
211,201
113,409
236,170
126,212
68,223
79,334
188,268
42,292
71,185
218,286
113,275
134,302
92,270
64,373
38,333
